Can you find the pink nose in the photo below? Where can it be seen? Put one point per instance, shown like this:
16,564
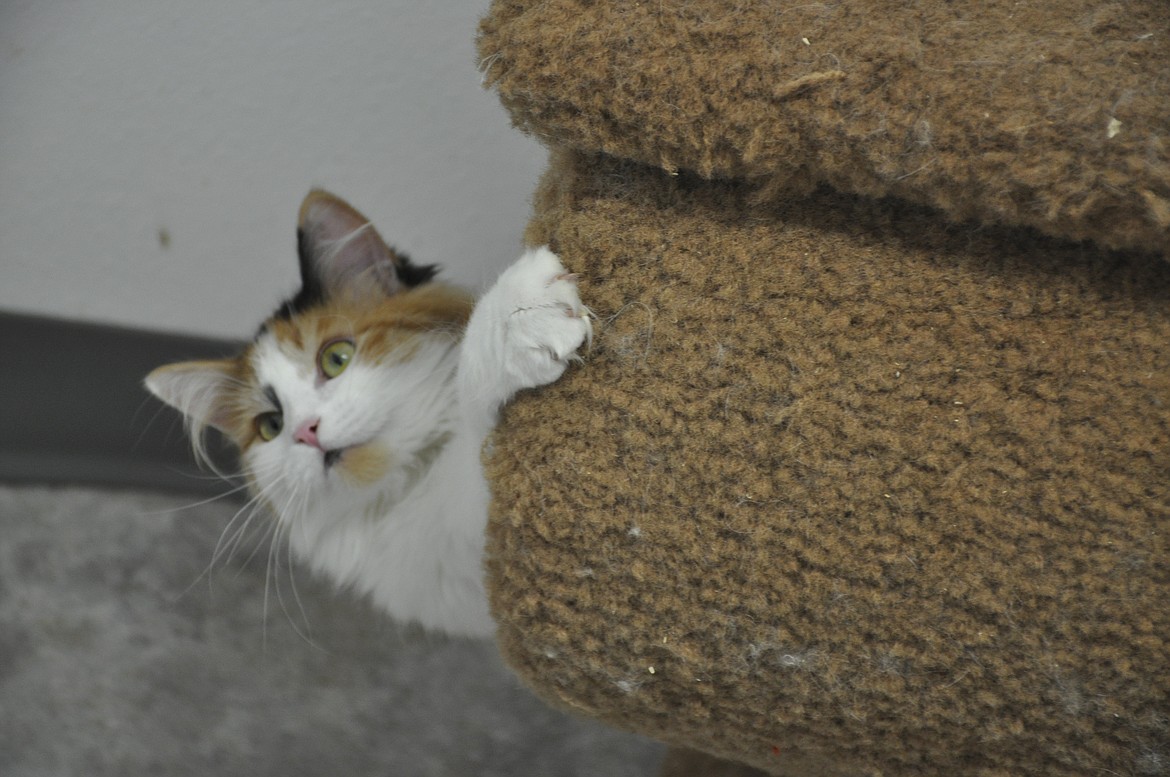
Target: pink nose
307,433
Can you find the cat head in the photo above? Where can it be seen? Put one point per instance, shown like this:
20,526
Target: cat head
346,388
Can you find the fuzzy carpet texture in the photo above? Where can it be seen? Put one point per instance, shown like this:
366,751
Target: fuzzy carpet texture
868,472
120,657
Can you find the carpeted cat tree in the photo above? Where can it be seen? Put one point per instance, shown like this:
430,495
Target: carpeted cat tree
868,472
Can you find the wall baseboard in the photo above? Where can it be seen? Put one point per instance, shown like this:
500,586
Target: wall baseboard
73,408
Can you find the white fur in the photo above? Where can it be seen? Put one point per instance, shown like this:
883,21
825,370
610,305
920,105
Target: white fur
414,540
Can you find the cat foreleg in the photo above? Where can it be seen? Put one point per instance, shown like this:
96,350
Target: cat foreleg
522,333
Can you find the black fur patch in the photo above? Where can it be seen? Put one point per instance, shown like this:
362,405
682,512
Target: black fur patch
412,274
311,293
270,395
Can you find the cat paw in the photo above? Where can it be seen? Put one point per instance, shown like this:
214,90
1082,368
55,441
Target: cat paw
524,331
546,324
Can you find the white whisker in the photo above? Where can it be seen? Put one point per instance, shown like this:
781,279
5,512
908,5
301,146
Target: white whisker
272,570
231,544
306,633
169,510
270,528
252,505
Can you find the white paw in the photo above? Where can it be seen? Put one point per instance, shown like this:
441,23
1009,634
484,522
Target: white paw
544,322
522,334
526,328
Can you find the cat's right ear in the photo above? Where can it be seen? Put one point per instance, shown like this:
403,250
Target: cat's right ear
343,257
197,389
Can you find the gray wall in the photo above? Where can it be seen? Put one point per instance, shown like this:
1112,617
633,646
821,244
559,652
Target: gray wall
153,154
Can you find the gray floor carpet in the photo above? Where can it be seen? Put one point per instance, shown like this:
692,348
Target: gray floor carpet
120,655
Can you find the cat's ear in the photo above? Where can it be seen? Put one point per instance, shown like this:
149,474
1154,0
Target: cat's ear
198,390
343,257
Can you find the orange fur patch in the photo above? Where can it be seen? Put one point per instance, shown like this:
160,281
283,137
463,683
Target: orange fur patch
243,402
363,465
379,330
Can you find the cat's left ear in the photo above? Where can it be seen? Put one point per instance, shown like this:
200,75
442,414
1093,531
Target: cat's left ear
200,390
343,257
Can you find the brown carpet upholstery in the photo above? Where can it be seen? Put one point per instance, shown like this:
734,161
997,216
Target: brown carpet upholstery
1050,114
864,474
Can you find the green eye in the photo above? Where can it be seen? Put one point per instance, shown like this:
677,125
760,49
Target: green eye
268,425
335,357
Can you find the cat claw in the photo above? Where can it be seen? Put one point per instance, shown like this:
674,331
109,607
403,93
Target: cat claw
581,312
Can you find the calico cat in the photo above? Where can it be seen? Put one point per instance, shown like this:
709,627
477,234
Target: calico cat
360,408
